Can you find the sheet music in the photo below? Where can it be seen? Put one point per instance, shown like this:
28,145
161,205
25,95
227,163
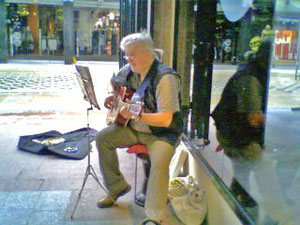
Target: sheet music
86,84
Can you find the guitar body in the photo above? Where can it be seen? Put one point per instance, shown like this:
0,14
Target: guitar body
124,94
114,116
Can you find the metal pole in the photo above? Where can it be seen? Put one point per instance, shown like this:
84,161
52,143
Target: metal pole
203,66
89,169
297,73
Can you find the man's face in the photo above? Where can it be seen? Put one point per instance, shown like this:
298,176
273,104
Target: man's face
137,57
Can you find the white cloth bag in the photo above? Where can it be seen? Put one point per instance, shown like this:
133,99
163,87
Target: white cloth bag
188,200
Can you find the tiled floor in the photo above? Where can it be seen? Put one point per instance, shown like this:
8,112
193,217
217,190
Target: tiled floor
33,207
43,189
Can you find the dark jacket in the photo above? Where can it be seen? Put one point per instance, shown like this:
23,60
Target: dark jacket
230,123
156,72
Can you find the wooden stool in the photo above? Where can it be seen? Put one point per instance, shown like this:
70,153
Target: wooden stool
142,153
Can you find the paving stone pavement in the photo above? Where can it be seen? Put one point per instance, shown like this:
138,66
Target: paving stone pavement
39,97
43,189
36,82
49,87
284,90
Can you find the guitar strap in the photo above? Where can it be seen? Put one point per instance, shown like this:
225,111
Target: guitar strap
140,92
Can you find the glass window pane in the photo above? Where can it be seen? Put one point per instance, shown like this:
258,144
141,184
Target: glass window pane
35,31
97,32
283,113
261,171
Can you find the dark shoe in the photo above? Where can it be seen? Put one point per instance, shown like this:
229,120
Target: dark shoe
149,222
110,200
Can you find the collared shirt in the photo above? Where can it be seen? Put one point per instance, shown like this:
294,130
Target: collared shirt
166,96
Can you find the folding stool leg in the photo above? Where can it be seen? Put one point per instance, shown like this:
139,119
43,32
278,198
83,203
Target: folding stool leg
135,175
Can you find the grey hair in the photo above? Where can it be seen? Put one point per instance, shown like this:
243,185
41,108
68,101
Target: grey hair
144,39
158,53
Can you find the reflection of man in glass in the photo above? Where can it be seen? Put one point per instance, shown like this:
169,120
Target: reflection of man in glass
267,32
239,119
239,116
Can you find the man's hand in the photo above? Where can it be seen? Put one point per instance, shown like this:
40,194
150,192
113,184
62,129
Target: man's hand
125,112
256,119
109,102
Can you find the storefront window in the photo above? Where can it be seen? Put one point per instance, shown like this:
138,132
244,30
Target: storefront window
34,30
51,30
283,113
285,45
264,176
97,32
37,31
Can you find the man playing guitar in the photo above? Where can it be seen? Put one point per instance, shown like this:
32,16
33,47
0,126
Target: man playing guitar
157,124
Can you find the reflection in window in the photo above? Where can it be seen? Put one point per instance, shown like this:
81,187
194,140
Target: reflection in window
261,175
283,114
97,32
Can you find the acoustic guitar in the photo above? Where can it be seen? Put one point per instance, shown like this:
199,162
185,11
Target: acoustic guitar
121,96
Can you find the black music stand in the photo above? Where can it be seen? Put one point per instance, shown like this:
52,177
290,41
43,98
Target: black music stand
86,84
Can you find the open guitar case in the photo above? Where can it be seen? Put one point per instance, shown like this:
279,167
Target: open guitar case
73,144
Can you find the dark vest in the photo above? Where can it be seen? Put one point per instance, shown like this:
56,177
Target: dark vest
156,72
232,125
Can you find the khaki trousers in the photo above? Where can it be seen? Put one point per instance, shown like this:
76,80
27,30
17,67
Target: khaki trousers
160,153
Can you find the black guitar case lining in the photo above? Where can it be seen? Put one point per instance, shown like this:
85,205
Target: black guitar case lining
73,144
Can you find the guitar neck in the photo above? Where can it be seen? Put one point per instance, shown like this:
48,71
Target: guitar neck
135,109
122,104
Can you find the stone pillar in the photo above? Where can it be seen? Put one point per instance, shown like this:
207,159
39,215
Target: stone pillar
33,23
163,35
69,36
184,53
3,33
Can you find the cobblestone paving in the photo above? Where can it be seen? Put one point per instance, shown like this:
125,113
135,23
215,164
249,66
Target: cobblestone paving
36,82
45,81
284,90
279,80
284,82
53,79
49,87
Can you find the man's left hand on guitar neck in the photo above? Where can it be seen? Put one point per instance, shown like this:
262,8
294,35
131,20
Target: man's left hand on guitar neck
109,102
